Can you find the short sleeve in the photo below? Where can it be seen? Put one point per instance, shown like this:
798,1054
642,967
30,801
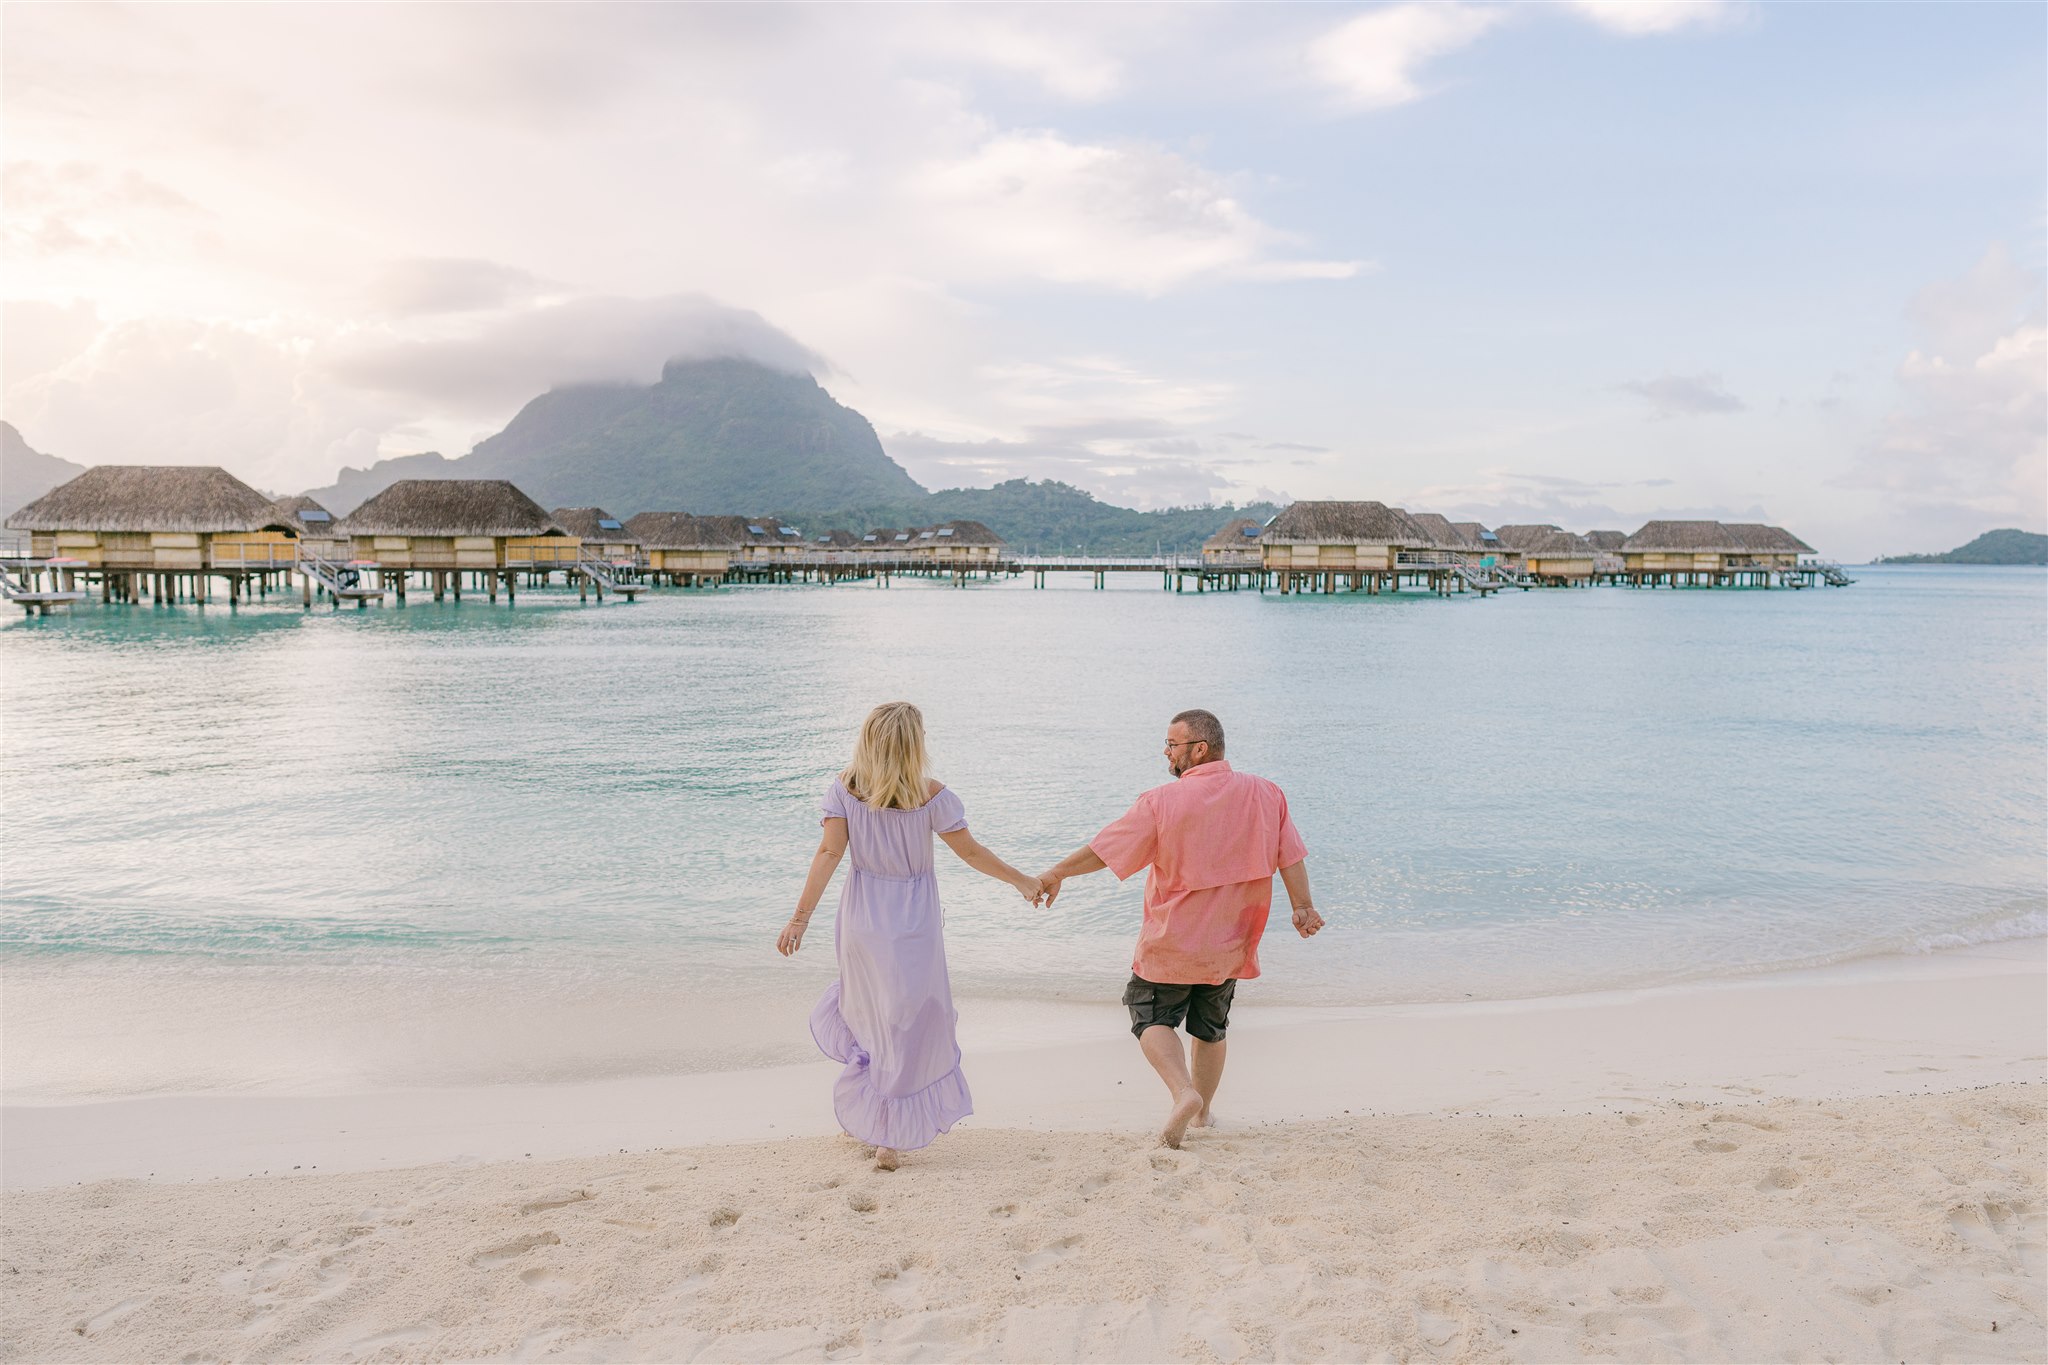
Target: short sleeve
1292,850
1130,841
833,807
948,812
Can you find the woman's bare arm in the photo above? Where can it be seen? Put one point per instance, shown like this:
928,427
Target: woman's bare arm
971,852
831,848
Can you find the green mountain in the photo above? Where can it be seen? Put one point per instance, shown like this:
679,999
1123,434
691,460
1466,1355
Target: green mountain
1044,518
27,473
711,436
2008,546
724,436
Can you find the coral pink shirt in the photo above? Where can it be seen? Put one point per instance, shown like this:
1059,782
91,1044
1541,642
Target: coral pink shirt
1213,839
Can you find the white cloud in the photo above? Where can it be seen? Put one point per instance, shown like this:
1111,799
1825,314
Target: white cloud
1638,18
1685,395
502,361
177,391
1374,60
1967,446
1134,217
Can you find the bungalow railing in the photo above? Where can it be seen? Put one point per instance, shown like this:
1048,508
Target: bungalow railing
237,554
543,556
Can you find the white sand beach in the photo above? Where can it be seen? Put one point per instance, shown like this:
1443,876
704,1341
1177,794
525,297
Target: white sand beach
1842,1164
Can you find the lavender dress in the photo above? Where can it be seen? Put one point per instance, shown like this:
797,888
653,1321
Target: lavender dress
889,1017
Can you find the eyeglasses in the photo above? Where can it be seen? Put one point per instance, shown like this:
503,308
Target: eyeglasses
1183,743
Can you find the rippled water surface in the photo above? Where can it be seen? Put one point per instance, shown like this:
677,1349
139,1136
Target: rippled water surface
278,847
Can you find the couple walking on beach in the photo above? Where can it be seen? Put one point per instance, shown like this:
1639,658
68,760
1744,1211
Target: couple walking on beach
1213,838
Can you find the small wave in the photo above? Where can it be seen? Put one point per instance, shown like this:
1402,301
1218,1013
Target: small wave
2031,924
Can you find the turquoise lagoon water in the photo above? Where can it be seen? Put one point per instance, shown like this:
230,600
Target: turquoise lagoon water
272,848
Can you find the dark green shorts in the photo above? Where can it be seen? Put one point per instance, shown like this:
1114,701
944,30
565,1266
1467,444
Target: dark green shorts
1206,1008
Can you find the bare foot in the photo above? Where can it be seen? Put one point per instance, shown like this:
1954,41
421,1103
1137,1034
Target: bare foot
1205,1119
1184,1110
887,1158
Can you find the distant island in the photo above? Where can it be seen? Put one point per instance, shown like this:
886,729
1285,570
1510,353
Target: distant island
2008,546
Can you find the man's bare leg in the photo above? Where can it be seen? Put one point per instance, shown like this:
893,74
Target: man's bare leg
1208,1075
1162,1048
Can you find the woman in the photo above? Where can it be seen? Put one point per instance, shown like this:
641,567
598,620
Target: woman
889,1017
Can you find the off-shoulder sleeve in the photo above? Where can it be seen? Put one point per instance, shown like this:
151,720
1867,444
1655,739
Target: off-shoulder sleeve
833,807
948,812
1130,841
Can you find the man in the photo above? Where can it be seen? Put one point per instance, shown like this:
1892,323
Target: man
1213,839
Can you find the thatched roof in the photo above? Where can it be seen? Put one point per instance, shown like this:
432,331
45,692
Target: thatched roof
189,499
681,531
1476,536
1443,535
450,507
1761,539
880,538
1332,523
769,531
1521,537
307,516
1559,545
1240,536
836,540
1701,536
964,533
588,524
1608,541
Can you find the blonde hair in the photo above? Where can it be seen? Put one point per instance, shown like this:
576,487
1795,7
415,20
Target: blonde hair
889,770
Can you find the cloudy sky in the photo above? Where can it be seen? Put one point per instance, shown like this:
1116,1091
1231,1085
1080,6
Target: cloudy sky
1584,263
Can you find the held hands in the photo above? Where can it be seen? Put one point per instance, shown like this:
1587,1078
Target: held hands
1307,921
1033,889
1048,889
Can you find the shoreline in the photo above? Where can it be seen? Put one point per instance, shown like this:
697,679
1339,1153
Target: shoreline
1941,1021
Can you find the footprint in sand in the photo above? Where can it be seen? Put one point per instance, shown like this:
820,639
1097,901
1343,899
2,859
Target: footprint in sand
106,1317
558,1200
1003,1211
1172,1162
513,1250
1710,1145
398,1336
861,1202
1750,1120
548,1282
1047,1256
724,1216
1780,1178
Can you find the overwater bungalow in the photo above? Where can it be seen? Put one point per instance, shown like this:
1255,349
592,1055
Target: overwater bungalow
601,535
769,540
687,551
1769,547
1235,546
1607,562
1550,555
881,540
1445,539
160,531
833,541
446,528
1328,545
316,525
1712,554
1481,543
956,544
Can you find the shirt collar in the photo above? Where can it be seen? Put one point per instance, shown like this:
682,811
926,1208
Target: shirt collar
1221,765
